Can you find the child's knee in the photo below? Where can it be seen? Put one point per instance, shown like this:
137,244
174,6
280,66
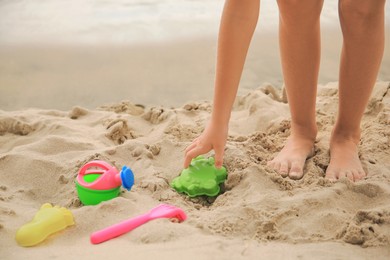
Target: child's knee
305,10
358,10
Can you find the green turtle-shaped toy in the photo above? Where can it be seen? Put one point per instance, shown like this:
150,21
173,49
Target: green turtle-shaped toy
200,178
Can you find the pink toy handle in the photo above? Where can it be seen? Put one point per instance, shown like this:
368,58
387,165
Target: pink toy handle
94,171
118,229
99,164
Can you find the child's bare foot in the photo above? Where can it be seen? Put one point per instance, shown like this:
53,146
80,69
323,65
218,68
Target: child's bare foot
291,159
344,159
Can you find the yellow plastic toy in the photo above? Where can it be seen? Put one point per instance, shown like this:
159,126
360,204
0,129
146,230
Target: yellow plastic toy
47,221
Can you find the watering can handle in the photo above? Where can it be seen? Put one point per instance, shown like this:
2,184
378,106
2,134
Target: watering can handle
100,164
103,168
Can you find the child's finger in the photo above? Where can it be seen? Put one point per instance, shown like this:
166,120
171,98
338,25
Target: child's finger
191,146
219,151
194,153
188,157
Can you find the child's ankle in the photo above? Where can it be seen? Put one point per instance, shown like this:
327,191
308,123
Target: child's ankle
304,131
340,133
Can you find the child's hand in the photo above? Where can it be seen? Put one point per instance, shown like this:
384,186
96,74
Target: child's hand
213,138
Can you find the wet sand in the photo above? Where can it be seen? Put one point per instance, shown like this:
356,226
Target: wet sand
165,73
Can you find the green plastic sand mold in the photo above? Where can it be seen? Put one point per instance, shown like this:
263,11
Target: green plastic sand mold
200,178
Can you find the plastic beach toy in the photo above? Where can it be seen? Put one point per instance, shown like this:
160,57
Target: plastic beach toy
109,177
47,220
200,178
161,211
94,197
98,181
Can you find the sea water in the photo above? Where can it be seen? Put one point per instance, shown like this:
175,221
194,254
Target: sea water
124,21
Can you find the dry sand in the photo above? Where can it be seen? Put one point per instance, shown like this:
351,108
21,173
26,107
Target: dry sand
259,215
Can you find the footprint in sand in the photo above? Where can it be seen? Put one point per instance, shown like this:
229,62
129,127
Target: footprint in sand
47,221
14,126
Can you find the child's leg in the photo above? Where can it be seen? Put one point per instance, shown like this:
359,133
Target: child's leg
238,23
362,23
299,34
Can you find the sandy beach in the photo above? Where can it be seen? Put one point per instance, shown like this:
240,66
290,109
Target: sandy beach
259,213
86,93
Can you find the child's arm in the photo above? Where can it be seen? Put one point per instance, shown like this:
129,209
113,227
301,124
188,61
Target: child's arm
238,22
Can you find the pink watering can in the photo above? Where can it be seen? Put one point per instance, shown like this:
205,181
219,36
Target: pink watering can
110,177
98,181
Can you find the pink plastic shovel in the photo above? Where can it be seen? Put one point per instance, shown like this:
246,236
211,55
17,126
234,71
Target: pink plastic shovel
161,211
